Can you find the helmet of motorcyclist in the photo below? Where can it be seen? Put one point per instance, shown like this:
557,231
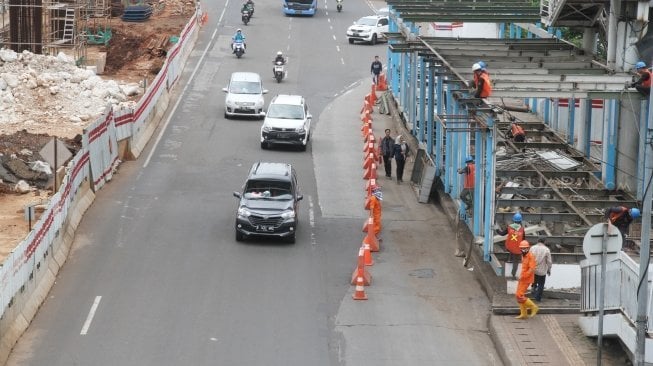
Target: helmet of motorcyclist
279,53
239,30
476,66
524,244
469,159
640,65
516,217
482,64
634,213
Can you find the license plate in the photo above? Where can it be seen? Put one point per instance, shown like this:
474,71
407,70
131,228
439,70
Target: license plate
265,228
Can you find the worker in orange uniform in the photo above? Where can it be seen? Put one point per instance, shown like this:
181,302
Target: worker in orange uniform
467,194
516,133
514,235
482,82
643,82
375,209
526,278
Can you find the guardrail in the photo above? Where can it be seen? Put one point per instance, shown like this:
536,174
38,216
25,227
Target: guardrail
28,272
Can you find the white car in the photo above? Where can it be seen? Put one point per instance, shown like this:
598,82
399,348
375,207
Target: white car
287,121
244,95
368,29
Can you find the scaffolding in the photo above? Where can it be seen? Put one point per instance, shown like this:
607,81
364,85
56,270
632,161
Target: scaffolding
52,26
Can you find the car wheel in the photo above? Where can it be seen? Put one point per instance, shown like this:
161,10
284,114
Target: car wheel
291,239
373,41
226,116
239,236
264,145
303,147
351,41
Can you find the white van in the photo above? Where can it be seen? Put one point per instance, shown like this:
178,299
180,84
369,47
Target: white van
287,122
244,95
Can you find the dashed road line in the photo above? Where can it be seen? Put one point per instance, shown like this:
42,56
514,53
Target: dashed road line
91,314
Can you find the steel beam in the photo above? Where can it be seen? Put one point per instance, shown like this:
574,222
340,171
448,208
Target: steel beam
568,217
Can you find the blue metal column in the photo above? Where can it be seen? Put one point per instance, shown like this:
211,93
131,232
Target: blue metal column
457,148
394,62
439,131
488,203
479,160
610,145
422,101
405,61
450,179
641,154
412,103
587,149
502,30
571,123
547,112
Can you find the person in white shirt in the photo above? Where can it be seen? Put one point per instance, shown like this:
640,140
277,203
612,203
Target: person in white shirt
543,264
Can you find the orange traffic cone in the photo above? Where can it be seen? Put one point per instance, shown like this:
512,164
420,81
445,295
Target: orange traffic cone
367,255
370,137
370,172
367,207
368,186
383,84
369,148
368,223
366,128
359,293
360,270
366,116
373,94
370,238
369,160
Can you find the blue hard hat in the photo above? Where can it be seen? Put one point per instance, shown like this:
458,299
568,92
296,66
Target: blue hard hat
634,213
469,159
482,64
640,65
516,217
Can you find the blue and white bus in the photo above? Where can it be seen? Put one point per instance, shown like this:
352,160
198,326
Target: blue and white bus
300,7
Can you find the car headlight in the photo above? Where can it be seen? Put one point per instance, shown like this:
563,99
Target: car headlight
300,130
243,212
266,128
288,215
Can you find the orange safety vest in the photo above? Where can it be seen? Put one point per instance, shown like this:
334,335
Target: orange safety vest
487,85
615,216
515,236
470,176
517,130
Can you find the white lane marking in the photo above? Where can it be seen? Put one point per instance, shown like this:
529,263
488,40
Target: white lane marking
334,37
329,20
90,316
311,220
192,76
338,48
342,60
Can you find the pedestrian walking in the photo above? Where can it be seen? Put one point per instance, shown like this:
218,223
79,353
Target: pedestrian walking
543,264
514,235
526,278
387,148
482,83
516,133
467,194
375,210
376,69
622,217
400,152
643,82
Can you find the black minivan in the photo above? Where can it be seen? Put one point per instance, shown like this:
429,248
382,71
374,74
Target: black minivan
269,201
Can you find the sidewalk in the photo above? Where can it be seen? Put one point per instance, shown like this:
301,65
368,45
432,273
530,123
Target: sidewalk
553,337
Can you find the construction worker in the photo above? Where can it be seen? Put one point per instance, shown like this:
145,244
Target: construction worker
516,133
482,83
375,209
514,235
467,194
622,217
526,278
643,83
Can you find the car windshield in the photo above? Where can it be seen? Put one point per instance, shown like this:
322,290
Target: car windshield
366,21
285,111
266,190
245,87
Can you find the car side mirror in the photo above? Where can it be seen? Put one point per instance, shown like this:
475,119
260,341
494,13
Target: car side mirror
225,90
309,116
237,194
262,114
300,197
265,91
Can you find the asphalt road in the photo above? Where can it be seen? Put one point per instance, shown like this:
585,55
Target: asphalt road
156,276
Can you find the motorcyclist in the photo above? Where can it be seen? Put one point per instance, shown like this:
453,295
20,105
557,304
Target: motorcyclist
239,36
249,6
279,58
245,8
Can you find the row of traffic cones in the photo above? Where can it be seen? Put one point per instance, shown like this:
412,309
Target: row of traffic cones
361,276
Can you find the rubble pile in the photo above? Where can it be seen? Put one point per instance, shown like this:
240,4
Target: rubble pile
48,94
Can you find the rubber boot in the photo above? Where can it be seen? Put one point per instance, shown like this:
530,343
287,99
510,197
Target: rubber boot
523,314
533,308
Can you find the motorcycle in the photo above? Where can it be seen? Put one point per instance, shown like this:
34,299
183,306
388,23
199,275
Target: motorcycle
239,48
279,71
245,17
339,5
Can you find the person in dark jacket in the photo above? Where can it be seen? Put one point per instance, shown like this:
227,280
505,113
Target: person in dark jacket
376,69
387,150
622,217
400,154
